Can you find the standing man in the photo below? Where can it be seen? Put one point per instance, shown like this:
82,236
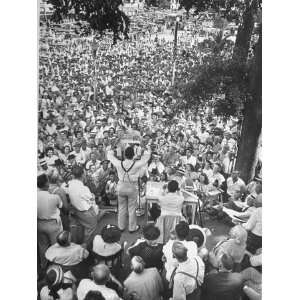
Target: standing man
83,202
128,172
49,224
235,183
188,276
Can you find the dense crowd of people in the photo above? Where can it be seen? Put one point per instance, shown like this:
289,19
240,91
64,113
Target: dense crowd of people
107,125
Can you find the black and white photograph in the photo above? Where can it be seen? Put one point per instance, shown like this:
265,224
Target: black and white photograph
135,137
149,151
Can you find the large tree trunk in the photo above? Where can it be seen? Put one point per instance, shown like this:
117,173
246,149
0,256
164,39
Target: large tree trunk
252,118
243,38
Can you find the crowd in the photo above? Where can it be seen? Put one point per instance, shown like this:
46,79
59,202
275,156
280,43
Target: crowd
107,125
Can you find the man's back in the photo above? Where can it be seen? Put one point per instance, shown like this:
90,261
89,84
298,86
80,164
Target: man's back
147,285
87,285
222,286
80,195
66,256
48,205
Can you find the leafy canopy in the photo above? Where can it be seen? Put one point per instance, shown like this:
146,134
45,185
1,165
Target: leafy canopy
101,15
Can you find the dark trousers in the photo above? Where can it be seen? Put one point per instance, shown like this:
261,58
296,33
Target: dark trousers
254,242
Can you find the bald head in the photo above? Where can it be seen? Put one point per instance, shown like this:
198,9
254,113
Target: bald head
179,251
101,274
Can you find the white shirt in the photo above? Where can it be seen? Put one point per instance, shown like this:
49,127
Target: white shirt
183,284
254,223
231,143
159,165
105,249
134,173
79,157
66,294
48,205
234,186
217,176
80,196
90,163
87,285
171,262
191,160
66,256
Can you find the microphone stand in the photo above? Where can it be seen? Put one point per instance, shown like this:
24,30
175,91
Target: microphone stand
139,211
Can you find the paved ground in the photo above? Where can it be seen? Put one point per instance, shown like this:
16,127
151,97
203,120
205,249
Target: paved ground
218,229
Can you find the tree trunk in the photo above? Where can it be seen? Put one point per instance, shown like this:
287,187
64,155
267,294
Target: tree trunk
243,38
252,118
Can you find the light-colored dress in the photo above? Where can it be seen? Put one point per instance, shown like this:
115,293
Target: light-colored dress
171,206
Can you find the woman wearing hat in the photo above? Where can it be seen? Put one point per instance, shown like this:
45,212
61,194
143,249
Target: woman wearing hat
171,211
59,286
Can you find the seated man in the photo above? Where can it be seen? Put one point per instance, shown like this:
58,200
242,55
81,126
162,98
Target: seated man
69,255
108,243
224,284
235,204
100,277
235,183
58,285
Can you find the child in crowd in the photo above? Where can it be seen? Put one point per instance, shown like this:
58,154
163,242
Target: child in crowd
111,196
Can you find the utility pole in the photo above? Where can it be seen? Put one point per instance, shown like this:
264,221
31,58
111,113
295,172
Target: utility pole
175,50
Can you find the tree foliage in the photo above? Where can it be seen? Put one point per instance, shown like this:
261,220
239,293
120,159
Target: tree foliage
224,77
101,15
223,81
230,9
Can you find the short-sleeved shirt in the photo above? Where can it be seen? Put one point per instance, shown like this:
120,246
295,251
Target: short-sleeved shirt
65,256
87,285
171,204
171,262
235,186
105,249
48,205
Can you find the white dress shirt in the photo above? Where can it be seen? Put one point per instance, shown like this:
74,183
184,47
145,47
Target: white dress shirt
183,284
80,196
254,223
234,186
171,262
